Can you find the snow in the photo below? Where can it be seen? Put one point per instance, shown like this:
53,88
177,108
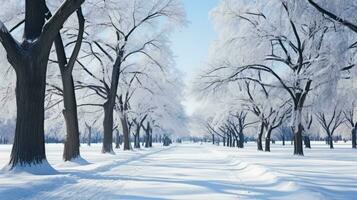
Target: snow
188,171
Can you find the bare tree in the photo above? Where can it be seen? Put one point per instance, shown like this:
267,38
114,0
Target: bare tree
139,125
330,124
350,120
72,143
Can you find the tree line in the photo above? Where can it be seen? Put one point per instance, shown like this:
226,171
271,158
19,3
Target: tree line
89,66
280,64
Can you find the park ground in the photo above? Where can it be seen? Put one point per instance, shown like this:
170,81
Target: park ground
186,171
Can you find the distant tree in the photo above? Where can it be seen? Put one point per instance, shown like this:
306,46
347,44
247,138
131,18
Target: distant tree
330,121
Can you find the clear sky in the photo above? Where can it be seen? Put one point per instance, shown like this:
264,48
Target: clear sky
191,43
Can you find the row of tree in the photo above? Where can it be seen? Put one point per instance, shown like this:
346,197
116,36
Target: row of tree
110,62
282,62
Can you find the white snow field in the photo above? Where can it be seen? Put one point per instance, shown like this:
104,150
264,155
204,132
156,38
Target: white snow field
188,171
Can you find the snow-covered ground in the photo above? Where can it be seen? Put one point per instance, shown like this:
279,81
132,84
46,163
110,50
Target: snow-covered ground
189,171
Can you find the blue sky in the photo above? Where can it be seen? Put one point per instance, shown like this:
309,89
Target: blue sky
191,43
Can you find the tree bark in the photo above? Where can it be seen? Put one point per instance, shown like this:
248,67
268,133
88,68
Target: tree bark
71,145
259,139
267,140
307,142
137,137
126,134
109,107
297,130
29,60
150,138
147,138
108,128
117,139
241,140
330,141
29,143
89,135
354,138
72,142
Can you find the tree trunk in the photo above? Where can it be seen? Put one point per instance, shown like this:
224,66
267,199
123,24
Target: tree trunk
150,138
354,138
213,139
330,140
109,107
283,138
147,137
29,143
307,142
117,139
298,129
241,140
137,137
89,135
230,141
126,134
108,127
267,140
71,145
259,139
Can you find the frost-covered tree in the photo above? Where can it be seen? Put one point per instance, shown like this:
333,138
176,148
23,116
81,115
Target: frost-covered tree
67,91
131,30
29,59
277,44
330,120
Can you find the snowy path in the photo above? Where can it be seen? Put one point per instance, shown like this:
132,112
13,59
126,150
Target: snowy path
171,173
188,171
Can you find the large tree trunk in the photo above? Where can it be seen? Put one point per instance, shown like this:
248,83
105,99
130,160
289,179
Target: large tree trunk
108,128
259,139
29,143
71,145
30,67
